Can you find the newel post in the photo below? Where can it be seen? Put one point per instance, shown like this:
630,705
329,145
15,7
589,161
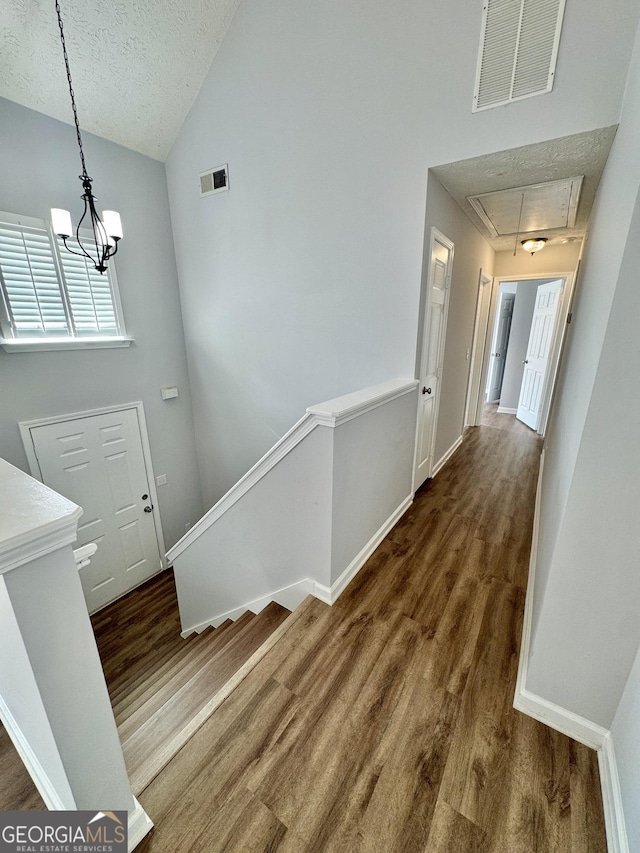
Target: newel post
53,697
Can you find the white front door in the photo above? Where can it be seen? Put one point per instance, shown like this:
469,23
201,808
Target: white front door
98,463
538,349
435,324
500,344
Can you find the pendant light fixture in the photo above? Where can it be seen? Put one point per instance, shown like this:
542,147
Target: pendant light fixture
106,231
534,244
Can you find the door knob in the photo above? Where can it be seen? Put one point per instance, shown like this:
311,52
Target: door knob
149,508
526,361
426,390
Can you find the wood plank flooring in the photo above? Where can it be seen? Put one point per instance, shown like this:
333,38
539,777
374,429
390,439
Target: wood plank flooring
385,723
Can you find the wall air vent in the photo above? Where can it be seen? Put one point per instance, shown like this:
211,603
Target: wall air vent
518,50
214,180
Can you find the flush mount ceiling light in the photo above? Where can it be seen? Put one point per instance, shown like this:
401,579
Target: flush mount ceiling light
534,244
106,231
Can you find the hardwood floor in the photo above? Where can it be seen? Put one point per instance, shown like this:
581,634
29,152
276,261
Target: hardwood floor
385,723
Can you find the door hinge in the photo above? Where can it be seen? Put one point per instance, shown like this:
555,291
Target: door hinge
569,316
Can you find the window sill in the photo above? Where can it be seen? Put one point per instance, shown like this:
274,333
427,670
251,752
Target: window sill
51,344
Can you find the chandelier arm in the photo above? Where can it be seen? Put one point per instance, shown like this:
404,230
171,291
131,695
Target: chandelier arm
81,254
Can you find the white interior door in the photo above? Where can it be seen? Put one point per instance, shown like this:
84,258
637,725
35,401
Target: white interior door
98,463
500,344
538,350
435,324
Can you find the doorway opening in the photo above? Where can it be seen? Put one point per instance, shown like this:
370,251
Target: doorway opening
523,337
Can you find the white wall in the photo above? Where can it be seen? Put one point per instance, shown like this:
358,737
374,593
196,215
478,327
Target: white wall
518,339
610,231
588,629
17,691
50,612
303,281
372,476
275,535
551,260
39,169
471,254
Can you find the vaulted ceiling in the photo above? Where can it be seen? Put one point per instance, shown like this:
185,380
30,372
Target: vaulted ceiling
137,65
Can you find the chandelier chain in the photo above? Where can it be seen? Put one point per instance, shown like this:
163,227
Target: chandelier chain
73,100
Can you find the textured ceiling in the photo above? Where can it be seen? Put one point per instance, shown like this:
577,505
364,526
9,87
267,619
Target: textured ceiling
580,154
137,65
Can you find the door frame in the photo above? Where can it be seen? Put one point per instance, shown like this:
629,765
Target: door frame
559,334
435,235
492,366
472,414
34,466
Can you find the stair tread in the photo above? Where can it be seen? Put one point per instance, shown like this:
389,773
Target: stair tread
174,668
164,730
156,695
122,685
129,686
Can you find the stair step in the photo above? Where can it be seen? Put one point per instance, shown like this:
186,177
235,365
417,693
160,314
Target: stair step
149,747
154,693
126,680
177,667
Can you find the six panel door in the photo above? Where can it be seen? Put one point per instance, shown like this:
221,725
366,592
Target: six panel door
98,463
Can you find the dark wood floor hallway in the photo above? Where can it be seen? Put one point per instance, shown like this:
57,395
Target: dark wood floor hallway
385,723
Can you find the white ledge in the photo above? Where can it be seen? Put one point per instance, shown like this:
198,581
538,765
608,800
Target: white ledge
329,414
34,520
341,409
51,344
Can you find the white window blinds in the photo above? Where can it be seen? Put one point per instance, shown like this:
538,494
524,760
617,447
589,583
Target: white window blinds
30,283
47,291
89,292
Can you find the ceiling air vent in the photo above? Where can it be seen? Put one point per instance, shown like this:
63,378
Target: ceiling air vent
214,180
518,50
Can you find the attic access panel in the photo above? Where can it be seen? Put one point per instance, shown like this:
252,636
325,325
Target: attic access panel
553,204
519,43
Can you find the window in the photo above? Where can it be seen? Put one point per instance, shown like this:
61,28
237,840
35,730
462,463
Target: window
51,298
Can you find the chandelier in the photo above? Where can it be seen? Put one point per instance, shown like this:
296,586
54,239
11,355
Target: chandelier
106,231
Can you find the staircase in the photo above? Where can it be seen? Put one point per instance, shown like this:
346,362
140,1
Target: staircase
163,687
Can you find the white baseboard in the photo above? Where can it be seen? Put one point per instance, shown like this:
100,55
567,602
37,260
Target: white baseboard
504,410
54,799
293,595
289,596
560,719
447,456
571,724
140,825
361,558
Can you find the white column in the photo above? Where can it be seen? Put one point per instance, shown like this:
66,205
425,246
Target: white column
53,696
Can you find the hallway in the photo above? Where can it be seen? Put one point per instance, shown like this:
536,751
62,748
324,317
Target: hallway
385,723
